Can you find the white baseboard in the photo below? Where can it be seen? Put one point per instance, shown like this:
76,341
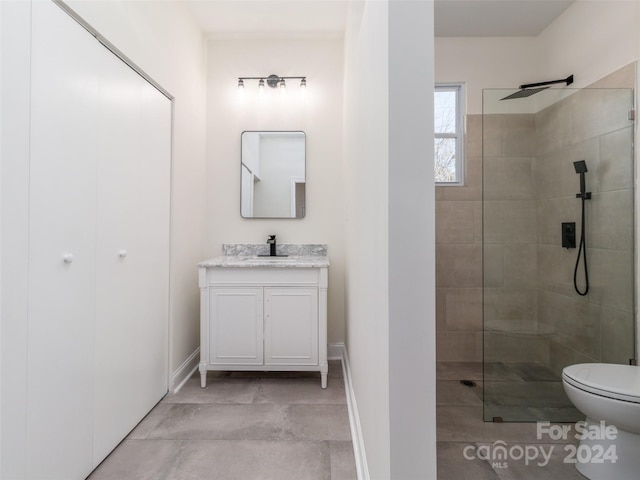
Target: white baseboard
184,372
362,468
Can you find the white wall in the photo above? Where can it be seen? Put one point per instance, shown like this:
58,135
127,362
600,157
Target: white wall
391,248
367,228
318,114
485,62
412,266
0,249
163,40
590,40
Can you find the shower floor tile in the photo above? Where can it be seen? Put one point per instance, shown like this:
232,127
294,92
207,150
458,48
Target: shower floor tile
459,371
465,424
452,464
537,469
461,429
452,392
534,372
500,372
529,394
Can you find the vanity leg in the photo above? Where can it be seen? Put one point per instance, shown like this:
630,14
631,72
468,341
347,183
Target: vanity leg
324,370
203,374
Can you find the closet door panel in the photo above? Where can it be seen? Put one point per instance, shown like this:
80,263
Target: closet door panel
15,92
132,253
61,246
117,311
154,213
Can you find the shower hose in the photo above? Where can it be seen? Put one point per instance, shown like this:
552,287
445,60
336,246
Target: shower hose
582,250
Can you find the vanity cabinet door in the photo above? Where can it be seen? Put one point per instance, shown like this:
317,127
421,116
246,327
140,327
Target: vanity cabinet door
291,326
235,326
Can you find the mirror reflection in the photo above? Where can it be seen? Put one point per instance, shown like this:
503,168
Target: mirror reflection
273,176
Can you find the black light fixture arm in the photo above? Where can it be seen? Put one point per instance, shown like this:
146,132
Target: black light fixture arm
568,81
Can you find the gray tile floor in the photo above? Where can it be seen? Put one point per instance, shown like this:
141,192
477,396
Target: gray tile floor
461,430
244,426
525,392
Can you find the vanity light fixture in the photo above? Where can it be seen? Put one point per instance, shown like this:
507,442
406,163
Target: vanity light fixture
273,81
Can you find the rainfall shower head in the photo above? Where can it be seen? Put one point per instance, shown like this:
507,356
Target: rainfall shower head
580,166
525,92
532,88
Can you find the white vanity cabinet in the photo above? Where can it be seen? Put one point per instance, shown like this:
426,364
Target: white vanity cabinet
268,317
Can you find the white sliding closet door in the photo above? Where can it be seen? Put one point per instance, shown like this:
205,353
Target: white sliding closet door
131,334
62,221
99,249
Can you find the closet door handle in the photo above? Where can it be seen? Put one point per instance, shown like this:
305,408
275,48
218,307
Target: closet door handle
67,257
122,253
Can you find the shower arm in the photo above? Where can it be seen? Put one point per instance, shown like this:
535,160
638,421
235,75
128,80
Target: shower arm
568,81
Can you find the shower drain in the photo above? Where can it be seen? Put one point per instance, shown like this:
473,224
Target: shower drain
468,383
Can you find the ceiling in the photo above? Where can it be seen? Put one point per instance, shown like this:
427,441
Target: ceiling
269,17
453,18
495,18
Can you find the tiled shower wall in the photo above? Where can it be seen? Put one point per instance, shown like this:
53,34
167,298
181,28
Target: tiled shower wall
510,245
530,190
459,257
510,241
591,125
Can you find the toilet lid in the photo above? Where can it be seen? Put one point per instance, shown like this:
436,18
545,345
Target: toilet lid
606,379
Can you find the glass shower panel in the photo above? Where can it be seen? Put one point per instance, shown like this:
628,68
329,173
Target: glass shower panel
534,320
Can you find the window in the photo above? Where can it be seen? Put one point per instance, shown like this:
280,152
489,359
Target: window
448,125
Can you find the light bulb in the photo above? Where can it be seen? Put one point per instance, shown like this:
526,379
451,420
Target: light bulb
261,84
240,83
282,84
303,83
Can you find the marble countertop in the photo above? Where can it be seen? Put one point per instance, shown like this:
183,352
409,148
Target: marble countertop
248,255
239,261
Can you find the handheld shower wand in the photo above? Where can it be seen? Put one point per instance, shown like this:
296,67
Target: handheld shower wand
581,169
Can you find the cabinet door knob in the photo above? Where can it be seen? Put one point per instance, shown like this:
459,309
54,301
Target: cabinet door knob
67,257
122,253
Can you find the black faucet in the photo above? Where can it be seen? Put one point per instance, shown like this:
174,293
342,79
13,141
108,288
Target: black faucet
272,245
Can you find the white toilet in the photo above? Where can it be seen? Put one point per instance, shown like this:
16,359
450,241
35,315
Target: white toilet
607,393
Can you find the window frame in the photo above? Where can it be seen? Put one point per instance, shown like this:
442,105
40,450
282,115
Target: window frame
458,135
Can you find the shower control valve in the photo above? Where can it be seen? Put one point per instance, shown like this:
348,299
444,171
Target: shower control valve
568,234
